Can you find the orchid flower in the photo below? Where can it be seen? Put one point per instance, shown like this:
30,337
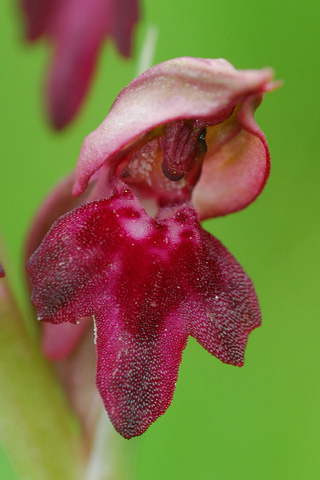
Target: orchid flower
179,145
77,29
2,272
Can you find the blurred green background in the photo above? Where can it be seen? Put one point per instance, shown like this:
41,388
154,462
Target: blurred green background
262,421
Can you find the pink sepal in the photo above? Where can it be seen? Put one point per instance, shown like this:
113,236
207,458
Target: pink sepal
209,91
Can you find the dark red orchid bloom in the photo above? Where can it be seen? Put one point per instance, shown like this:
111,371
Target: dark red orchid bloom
180,144
77,29
2,272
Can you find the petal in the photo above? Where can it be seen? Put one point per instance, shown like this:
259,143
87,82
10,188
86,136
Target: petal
58,202
37,15
69,261
187,88
223,308
140,339
77,31
148,283
57,342
2,272
126,15
236,166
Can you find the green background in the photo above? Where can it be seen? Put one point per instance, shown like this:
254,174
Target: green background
262,421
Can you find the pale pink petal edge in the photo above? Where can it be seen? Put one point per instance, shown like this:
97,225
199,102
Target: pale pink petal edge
180,88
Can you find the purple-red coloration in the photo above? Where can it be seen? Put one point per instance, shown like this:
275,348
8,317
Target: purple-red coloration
57,342
132,253
149,283
77,29
2,272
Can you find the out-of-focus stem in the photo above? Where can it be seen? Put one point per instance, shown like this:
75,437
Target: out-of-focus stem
147,51
112,457
37,429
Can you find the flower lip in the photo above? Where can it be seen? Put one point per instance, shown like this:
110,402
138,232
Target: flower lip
109,259
183,88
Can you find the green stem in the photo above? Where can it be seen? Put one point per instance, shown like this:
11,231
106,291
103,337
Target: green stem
37,429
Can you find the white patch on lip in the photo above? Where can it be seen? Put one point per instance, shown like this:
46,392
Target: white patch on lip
136,228
174,233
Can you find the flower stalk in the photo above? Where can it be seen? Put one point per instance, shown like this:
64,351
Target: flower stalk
38,430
